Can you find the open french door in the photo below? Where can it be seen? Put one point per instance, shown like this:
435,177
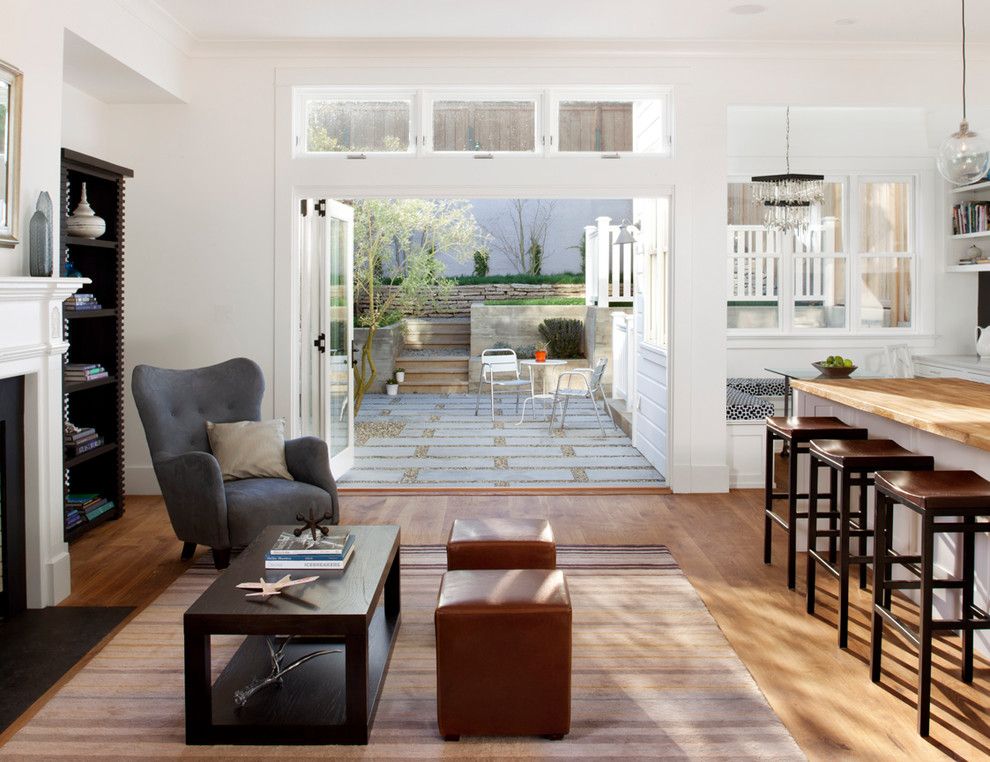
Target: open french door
327,328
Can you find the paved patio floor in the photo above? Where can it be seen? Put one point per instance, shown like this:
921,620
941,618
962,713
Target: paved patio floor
435,440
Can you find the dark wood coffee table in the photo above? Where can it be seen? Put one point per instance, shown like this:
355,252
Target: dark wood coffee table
330,699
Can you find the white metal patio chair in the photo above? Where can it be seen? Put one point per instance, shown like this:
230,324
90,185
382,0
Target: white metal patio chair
591,385
499,367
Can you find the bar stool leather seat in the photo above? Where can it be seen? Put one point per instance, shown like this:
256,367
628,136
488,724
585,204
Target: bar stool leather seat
867,454
960,491
805,428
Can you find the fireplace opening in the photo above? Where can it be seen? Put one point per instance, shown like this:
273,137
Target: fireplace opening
13,583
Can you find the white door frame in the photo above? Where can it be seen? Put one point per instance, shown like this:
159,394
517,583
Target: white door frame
331,192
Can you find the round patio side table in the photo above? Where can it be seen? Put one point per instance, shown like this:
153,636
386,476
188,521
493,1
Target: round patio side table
534,367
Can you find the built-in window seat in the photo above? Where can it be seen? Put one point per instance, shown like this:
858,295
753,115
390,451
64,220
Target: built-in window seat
748,401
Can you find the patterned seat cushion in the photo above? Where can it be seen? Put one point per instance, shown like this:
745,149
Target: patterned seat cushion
761,387
741,406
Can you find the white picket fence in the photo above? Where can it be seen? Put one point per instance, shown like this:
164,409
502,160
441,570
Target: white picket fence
754,261
623,356
608,267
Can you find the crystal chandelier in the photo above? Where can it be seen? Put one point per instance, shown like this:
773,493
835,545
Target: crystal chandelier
964,157
788,199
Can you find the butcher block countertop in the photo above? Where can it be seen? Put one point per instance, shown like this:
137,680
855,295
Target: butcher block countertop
949,407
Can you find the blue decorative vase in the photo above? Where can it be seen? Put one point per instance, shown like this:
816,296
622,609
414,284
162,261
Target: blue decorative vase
40,232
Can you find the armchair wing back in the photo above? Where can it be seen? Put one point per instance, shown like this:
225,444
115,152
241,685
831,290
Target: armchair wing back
175,405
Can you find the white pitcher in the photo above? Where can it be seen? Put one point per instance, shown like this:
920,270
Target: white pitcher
983,342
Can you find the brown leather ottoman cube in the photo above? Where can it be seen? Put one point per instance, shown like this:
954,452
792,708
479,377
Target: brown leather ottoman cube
501,544
503,653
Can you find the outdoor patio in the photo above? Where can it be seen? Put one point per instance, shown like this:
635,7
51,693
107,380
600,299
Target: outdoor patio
435,440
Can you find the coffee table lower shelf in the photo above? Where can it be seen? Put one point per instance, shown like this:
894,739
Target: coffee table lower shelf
310,707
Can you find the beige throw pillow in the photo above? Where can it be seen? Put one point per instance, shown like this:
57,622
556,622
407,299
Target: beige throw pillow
247,449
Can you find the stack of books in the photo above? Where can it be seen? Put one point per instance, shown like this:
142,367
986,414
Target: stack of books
82,303
332,551
77,371
971,217
85,506
78,441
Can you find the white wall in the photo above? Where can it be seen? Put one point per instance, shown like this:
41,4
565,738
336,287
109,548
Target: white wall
31,38
207,210
212,269
86,124
855,139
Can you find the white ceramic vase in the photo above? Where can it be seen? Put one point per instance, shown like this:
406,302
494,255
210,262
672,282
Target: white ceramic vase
392,390
400,376
84,222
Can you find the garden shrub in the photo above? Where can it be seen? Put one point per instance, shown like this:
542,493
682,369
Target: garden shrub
564,337
480,263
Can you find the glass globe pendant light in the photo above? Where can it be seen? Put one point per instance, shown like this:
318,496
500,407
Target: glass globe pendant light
964,157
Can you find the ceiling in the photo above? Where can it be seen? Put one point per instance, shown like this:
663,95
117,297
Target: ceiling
843,21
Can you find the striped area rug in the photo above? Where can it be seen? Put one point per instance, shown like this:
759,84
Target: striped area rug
653,676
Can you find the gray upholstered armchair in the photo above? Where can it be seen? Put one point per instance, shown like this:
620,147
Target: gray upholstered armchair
204,510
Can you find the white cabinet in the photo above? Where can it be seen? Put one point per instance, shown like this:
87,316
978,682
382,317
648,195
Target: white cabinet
969,367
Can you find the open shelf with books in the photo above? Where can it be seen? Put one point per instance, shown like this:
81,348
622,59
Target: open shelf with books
92,383
968,228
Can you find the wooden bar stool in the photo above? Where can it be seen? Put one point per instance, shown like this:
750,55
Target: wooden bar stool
961,497
795,433
850,462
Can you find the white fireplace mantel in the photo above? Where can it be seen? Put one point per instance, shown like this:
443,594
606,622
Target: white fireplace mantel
31,345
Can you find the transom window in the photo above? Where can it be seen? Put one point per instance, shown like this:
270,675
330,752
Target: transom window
812,281
482,122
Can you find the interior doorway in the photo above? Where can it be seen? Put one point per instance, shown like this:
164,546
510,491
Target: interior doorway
604,269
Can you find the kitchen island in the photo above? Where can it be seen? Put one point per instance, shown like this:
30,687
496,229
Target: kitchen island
947,418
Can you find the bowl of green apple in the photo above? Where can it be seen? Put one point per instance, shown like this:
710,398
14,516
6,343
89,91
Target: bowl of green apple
835,366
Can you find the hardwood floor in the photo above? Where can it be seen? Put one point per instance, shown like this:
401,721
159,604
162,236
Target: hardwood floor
822,694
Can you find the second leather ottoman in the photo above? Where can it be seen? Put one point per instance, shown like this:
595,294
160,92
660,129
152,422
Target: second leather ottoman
501,544
503,653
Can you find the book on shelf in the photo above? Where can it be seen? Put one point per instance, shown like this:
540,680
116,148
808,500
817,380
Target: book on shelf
84,307
76,434
326,564
334,544
92,444
92,372
971,217
99,510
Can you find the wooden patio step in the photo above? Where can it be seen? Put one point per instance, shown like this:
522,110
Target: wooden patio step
427,387
432,364
446,342
438,377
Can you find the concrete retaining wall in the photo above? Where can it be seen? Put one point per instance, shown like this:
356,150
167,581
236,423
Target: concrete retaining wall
387,347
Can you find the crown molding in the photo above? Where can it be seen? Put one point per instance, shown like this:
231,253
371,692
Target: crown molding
163,23
423,51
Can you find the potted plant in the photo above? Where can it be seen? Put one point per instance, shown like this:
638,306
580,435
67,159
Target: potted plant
400,374
541,352
392,387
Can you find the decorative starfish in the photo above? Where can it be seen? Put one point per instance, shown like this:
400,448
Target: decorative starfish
312,524
267,589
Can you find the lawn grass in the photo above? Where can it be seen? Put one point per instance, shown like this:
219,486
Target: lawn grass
535,300
529,280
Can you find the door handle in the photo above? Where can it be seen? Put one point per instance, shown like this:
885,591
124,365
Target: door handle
320,342
354,354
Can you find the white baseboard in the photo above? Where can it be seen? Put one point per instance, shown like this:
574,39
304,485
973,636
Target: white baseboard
141,480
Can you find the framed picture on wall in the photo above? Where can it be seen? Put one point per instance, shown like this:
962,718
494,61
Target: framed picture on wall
11,93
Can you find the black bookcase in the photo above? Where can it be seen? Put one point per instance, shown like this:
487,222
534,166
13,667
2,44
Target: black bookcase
96,336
